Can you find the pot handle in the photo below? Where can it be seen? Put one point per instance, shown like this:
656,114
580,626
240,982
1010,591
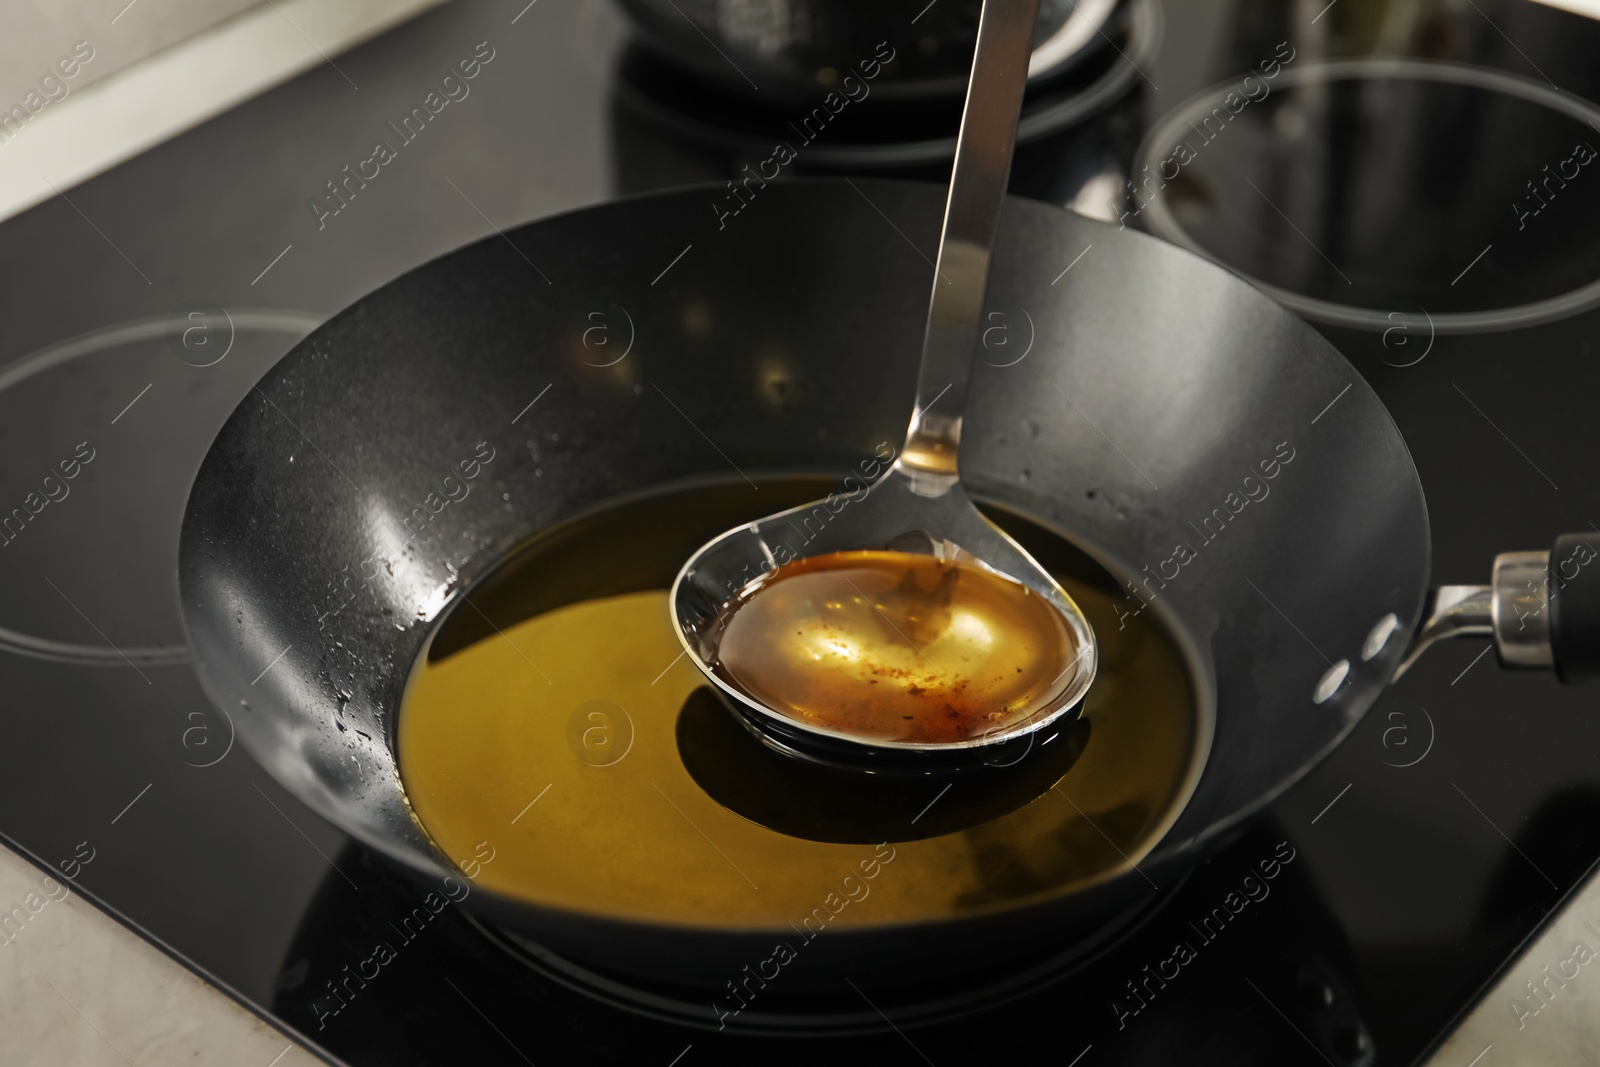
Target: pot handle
1541,608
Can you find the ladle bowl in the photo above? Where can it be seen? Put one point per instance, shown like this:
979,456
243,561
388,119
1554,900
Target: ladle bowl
886,513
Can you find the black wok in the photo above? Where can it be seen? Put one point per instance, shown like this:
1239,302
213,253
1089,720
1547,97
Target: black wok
1155,392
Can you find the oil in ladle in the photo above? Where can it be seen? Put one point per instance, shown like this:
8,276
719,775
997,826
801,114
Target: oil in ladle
896,646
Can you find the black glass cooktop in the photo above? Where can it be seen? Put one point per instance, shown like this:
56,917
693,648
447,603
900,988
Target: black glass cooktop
1413,177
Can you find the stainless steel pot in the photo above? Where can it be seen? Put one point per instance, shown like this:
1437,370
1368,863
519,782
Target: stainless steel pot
800,49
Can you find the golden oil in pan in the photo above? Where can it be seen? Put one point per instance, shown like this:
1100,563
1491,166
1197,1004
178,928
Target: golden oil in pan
896,646
608,778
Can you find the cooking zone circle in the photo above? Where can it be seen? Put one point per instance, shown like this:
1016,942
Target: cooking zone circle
1322,180
111,427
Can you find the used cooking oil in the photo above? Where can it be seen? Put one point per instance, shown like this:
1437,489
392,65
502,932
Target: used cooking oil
556,725
896,646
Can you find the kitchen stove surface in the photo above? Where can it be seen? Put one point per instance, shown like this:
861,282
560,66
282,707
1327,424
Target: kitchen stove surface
1353,924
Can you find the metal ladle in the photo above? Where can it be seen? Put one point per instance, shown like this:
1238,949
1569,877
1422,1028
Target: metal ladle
920,504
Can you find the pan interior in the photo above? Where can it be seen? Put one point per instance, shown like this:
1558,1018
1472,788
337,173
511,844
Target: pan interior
553,740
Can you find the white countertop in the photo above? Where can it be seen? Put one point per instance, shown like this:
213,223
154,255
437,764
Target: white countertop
79,989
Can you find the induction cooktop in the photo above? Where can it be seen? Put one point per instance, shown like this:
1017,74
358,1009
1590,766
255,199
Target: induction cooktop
1415,179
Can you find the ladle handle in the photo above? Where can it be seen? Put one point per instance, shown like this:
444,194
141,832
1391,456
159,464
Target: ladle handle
971,216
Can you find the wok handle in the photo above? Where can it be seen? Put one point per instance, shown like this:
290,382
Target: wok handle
1541,608
1574,599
